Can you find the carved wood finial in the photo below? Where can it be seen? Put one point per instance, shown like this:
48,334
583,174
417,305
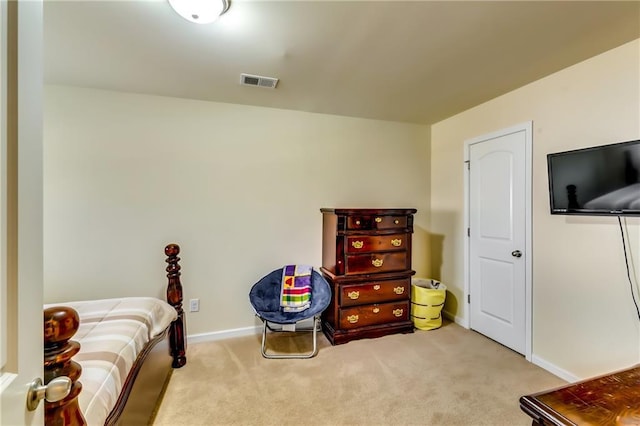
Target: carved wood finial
60,324
174,298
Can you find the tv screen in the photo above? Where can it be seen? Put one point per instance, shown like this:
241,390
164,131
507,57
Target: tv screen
603,180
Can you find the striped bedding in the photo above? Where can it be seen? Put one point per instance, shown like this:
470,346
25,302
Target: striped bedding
112,333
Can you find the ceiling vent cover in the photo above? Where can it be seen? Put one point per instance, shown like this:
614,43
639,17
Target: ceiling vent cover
258,81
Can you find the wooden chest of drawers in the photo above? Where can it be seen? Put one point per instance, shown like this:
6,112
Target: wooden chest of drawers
366,258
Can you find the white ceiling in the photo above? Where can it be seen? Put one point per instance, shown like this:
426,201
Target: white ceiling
409,61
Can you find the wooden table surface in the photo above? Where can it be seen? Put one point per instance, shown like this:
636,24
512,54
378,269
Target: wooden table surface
613,399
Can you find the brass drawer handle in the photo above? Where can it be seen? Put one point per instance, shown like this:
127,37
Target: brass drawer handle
397,242
378,219
396,221
376,287
357,222
376,310
377,262
357,244
398,312
353,295
352,319
398,290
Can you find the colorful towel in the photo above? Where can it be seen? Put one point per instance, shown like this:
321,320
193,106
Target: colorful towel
295,293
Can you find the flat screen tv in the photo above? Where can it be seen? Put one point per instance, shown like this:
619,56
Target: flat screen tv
603,180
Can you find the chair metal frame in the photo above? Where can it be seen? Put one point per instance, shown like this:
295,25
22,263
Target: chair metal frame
314,330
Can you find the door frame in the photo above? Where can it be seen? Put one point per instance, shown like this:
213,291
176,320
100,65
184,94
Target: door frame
527,127
22,254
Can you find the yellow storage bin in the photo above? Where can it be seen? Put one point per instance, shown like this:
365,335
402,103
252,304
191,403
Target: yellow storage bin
427,301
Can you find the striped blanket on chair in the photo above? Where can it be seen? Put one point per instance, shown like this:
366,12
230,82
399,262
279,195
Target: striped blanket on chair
295,293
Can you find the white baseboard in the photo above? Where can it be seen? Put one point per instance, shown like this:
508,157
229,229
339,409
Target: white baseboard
237,332
554,369
536,360
249,331
224,334
460,321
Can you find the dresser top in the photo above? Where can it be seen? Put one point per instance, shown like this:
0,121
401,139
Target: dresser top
370,211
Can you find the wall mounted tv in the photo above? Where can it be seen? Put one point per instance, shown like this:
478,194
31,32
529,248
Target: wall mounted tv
603,180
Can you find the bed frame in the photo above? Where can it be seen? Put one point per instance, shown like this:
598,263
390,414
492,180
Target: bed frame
149,374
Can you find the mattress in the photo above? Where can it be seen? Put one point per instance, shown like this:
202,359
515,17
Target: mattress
112,333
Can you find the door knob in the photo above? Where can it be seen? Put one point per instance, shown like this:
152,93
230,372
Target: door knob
53,391
516,253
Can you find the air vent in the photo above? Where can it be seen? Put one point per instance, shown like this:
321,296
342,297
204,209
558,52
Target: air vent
258,81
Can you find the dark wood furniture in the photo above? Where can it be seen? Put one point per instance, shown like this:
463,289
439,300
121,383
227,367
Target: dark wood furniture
60,324
177,342
612,399
366,258
148,376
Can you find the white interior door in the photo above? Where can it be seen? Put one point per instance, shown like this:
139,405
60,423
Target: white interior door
20,209
498,243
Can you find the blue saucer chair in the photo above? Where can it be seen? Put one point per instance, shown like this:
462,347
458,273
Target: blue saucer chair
265,300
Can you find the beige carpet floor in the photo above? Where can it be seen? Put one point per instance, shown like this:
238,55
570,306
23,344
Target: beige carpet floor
448,376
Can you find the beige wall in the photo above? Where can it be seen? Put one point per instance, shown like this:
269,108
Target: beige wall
584,320
238,187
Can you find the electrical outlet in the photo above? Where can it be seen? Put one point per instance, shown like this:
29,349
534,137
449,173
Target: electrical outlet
194,305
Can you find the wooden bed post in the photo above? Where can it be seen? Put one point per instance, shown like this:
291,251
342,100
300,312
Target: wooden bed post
174,298
60,324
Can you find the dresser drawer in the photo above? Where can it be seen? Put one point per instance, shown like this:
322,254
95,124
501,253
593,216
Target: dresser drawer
383,313
374,292
366,222
376,262
366,243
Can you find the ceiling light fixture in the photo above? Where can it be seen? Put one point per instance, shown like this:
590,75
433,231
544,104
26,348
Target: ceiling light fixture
200,11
